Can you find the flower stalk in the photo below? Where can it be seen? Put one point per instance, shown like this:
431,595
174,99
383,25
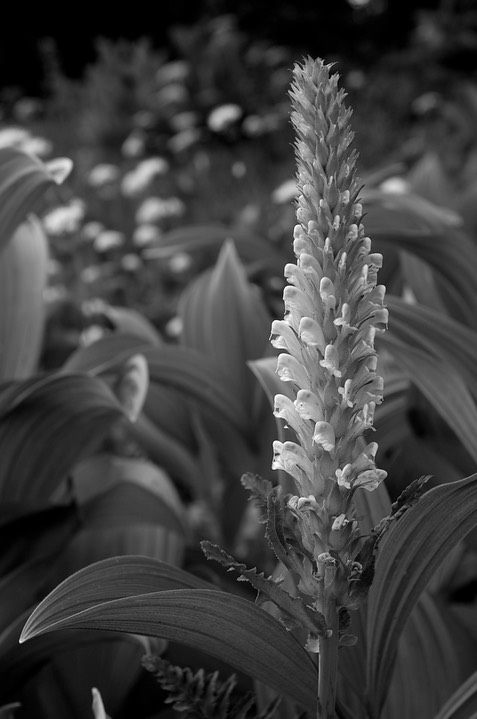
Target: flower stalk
333,310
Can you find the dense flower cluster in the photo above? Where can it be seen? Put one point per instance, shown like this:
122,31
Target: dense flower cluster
333,309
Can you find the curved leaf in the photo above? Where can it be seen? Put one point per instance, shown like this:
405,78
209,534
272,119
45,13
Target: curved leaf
224,318
443,387
46,425
430,330
251,248
23,278
184,369
221,624
410,553
463,703
426,657
24,180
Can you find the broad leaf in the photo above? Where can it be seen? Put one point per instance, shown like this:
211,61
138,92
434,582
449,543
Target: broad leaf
443,387
23,278
410,553
426,669
24,179
46,425
223,625
463,703
225,318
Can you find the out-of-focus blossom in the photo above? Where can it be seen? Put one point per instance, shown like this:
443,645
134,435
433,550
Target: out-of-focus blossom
176,71
13,136
239,169
285,193
54,293
155,209
183,121
171,96
258,125
103,174
134,145
108,240
91,274
91,230
184,139
24,140
180,262
131,262
223,117
395,186
139,179
174,327
65,219
26,109
145,235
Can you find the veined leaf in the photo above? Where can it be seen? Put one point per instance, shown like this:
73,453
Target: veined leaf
410,553
23,278
426,657
24,179
444,337
444,388
225,319
463,703
184,369
221,624
46,425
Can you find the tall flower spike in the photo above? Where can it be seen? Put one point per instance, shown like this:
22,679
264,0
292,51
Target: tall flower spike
333,310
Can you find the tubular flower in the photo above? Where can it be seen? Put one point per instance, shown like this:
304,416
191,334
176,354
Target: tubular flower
333,310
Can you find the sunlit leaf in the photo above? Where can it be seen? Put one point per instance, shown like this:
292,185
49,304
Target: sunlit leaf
23,278
410,553
24,180
221,624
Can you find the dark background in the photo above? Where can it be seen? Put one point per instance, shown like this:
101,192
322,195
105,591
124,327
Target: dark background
359,33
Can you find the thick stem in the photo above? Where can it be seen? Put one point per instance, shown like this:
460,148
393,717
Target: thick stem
328,665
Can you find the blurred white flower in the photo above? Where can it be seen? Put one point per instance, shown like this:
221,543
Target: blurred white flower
176,71
91,274
54,293
139,179
223,116
131,262
239,169
39,146
146,234
184,139
54,267
154,209
180,262
65,219
286,192
395,186
108,240
91,230
174,327
103,174
24,140
13,136
133,145
183,121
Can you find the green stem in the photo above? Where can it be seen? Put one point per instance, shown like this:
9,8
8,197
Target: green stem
328,665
